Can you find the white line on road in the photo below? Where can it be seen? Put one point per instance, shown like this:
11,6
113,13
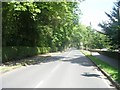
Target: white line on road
41,82
55,68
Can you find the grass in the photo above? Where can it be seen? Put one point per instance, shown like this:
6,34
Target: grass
113,72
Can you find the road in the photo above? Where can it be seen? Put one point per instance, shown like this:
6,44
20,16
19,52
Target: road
71,69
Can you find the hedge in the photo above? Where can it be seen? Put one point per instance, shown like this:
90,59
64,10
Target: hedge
114,55
14,53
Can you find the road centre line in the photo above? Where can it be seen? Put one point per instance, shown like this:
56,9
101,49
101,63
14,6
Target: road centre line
39,84
42,81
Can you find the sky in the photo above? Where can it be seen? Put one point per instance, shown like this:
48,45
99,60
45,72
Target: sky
94,11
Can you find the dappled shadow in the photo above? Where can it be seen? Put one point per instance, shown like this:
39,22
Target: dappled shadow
81,60
34,60
78,59
50,58
90,75
75,59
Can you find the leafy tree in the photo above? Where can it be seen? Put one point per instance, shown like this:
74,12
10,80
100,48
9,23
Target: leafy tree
112,27
88,38
43,24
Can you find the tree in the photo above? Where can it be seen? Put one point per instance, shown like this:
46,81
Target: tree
112,27
43,24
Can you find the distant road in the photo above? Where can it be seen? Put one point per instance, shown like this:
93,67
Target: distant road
71,69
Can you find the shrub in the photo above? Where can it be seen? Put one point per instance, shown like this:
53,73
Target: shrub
14,53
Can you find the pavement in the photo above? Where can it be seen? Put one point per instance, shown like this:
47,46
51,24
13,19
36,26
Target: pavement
110,61
70,69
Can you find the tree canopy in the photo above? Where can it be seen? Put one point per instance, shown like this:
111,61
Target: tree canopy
112,26
51,26
43,24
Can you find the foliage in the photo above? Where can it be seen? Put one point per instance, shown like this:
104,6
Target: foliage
113,54
44,24
112,27
14,52
37,24
88,38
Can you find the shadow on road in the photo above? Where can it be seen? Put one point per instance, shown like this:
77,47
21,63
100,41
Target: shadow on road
82,60
90,75
34,60
76,59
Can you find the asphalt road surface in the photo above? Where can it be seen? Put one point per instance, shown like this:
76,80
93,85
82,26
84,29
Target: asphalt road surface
70,69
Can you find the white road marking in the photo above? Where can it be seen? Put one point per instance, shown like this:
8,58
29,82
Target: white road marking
55,68
39,84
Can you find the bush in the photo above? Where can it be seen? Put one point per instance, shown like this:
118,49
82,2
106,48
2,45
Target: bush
15,53
111,54
54,49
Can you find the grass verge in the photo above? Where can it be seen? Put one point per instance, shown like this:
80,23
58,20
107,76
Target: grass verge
113,72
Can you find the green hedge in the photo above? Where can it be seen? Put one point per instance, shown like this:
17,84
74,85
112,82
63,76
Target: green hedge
114,55
15,53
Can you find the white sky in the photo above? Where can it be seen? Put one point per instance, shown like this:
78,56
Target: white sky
94,11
